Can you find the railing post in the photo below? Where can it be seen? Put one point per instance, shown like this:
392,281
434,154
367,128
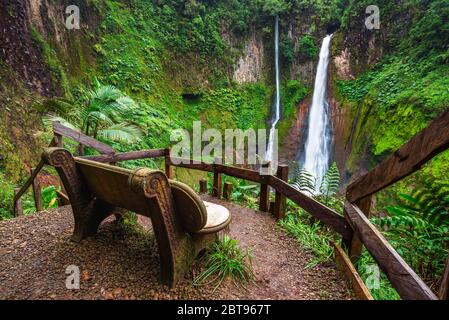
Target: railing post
203,185
216,190
63,199
264,196
168,167
271,207
356,245
280,200
18,209
227,190
443,293
57,138
37,192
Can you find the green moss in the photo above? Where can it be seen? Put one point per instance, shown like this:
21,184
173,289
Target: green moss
292,93
51,59
396,100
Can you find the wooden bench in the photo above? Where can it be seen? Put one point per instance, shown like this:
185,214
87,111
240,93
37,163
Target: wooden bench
183,224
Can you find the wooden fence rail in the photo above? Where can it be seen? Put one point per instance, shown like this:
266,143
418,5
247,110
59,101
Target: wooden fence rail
406,160
401,276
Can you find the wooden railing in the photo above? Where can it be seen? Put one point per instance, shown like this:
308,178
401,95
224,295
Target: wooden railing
354,227
406,160
59,131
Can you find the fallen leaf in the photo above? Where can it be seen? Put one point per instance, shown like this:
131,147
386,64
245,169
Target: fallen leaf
86,275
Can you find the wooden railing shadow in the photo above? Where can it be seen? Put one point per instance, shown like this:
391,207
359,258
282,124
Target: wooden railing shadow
354,227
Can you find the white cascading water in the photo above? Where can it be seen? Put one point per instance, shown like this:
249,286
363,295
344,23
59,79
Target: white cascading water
317,147
277,103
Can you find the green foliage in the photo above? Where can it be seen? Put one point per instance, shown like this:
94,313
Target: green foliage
303,180
49,200
104,114
244,192
426,35
385,290
418,227
396,101
307,47
402,93
49,197
226,260
292,93
287,49
331,181
6,198
274,7
310,234
51,59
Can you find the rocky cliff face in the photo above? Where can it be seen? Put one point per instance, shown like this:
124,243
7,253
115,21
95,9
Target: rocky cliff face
250,64
37,41
353,53
18,50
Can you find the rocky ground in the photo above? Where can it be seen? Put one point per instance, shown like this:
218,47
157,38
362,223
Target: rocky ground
122,262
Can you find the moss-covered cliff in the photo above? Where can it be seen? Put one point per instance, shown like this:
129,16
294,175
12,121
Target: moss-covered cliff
389,82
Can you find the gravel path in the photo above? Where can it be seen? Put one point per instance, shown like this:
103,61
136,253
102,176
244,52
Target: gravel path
119,263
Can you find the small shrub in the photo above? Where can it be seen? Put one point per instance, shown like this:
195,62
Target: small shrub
307,48
226,260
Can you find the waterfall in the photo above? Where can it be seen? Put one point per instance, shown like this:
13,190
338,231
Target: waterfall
270,156
317,147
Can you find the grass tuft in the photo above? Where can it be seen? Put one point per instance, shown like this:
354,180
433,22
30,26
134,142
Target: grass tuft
226,260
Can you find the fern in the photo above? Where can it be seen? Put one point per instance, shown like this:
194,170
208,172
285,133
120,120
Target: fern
418,227
425,207
303,180
331,181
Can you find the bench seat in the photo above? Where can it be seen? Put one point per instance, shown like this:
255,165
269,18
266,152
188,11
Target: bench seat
218,218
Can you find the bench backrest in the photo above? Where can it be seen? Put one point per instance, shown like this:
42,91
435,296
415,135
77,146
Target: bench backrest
112,184
117,186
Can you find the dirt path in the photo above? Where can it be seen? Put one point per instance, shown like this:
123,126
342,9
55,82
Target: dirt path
123,264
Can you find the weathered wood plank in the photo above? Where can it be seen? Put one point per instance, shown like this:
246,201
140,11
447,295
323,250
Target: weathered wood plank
408,284
327,216
187,163
443,293
241,173
18,208
37,192
63,199
168,167
345,264
203,186
126,156
58,141
406,160
264,196
227,190
355,249
216,189
21,191
280,200
82,138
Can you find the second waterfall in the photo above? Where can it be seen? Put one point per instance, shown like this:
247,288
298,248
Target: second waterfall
318,143
271,154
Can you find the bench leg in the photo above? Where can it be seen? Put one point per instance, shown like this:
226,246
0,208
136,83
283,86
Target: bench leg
87,223
87,212
176,248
